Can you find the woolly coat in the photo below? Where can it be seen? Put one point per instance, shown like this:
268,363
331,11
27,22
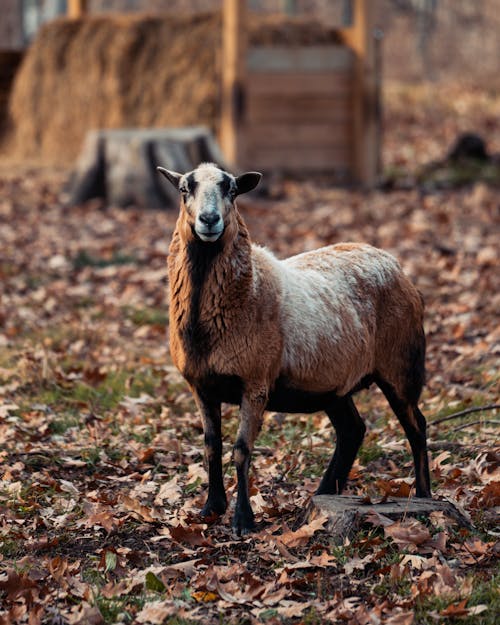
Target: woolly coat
326,321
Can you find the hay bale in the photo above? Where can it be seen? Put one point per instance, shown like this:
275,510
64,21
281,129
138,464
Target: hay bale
112,72
136,70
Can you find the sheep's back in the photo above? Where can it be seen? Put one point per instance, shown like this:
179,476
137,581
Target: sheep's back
330,310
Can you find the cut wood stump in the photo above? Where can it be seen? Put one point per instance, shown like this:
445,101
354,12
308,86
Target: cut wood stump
119,165
347,512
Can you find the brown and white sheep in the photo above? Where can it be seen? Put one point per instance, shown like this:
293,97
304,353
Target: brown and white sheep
295,335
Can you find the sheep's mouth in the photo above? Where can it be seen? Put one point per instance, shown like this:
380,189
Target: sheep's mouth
208,235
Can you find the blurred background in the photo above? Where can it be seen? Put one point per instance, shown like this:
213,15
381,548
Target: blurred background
435,66
374,121
423,38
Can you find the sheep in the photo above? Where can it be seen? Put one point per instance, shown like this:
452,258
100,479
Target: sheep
297,335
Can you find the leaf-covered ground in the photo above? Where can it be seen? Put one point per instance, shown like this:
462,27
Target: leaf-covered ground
101,458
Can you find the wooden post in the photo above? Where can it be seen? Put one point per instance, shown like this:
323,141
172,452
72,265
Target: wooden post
360,38
234,44
77,8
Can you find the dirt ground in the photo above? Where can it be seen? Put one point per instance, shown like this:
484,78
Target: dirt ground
101,447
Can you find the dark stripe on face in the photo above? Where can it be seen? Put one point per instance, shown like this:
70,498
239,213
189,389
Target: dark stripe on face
225,185
191,184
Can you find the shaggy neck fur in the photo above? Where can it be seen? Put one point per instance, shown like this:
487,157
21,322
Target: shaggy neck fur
210,284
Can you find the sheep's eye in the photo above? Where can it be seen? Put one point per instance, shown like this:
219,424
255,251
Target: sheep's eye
184,191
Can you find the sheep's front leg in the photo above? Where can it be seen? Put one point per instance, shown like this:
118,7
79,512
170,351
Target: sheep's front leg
211,415
251,416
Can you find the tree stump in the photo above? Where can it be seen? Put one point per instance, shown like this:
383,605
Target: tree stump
347,512
120,165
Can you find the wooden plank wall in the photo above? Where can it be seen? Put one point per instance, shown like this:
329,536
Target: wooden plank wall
302,108
298,109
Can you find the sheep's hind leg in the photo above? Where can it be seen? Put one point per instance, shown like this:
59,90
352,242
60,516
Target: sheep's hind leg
350,431
414,425
211,414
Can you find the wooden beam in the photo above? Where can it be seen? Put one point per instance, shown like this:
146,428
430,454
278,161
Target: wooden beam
234,44
366,101
77,8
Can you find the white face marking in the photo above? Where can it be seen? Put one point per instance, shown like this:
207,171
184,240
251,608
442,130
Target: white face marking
204,196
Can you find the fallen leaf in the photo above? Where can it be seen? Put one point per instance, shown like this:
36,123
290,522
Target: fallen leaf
156,612
410,533
455,609
402,618
302,535
204,596
169,491
191,535
143,512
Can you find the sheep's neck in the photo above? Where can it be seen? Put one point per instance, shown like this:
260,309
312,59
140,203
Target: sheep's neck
209,287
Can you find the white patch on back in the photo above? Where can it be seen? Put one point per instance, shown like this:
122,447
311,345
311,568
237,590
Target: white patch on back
328,318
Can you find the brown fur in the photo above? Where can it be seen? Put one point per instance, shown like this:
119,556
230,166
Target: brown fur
237,320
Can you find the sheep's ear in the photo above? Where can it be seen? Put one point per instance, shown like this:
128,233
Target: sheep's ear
247,181
173,176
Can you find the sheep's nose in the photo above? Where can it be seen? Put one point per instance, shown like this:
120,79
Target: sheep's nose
209,219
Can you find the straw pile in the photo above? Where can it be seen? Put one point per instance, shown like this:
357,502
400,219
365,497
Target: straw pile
127,71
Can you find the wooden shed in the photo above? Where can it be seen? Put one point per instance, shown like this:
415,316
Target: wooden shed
314,109
11,51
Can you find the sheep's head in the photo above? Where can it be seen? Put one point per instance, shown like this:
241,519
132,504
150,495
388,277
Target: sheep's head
207,197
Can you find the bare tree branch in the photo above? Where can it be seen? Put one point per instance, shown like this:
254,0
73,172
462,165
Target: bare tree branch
467,411
468,425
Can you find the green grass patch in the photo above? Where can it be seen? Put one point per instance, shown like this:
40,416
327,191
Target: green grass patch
144,435
10,548
86,259
146,316
458,174
61,424
119,608
484,592
400,587
101,397
370,451
447,431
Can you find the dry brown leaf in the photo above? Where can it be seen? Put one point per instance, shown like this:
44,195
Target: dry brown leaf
156,612
401,618
143,512
289,609
190,535
410,533
170,492
302,535
86,615
395,488
455,609
357,563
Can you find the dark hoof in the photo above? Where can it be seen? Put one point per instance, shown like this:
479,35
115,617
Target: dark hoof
330,486
424,494
243,523
214,507
326,490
